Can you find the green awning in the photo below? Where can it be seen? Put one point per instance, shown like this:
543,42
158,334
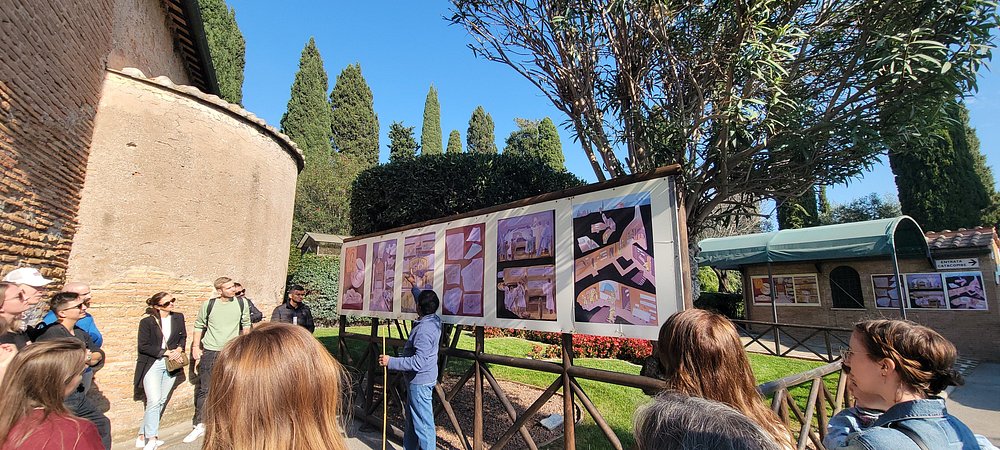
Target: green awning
841,241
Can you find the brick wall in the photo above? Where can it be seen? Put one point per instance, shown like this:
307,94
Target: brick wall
975,333
51,71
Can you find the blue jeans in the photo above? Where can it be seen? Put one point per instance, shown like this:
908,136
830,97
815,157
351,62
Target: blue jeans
420,432
157,385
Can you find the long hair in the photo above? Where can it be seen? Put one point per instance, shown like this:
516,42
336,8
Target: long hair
702,356
274,388
37,377
924,359
674,421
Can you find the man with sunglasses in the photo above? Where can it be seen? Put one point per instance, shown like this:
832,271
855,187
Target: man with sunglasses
256,316
87,322
70,308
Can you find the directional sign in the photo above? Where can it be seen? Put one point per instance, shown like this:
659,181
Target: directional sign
961,263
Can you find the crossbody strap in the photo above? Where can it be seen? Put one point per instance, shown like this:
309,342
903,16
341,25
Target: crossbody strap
910,434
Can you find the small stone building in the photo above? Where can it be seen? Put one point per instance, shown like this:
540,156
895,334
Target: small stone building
321,244
834,276
123,169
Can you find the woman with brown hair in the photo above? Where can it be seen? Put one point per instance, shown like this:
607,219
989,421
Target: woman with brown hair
274,388
896,368
32,414
161,337
702,356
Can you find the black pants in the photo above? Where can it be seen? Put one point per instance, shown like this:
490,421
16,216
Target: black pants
204,380
81,407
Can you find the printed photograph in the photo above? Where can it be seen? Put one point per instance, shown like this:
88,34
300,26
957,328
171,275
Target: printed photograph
418,260
464,271
383,275
353,273
526,267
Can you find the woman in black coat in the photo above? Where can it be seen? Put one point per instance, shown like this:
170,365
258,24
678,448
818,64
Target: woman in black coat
161,337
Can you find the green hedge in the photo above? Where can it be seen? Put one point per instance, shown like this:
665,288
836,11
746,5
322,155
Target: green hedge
319,275
433,186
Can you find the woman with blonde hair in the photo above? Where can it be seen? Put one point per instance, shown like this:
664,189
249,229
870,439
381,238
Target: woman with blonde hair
896,369
702,356
32,415
274,388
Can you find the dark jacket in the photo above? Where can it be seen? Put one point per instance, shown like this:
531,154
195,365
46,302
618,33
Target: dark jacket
285,313
150,342
57,330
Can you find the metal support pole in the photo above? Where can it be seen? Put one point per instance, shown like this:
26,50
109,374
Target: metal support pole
569,417
774,310
899,281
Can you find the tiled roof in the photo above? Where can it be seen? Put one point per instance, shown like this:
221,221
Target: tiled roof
980,237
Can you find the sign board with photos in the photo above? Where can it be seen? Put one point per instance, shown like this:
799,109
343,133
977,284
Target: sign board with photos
789,290
605,262
933,291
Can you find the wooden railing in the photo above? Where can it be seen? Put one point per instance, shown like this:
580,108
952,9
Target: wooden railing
823,343
819,406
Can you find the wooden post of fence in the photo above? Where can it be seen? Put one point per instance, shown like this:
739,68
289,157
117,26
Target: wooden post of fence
477,424
569,422
341,344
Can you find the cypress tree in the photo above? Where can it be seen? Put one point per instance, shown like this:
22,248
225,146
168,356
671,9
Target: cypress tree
355,137
550,147
226,46
430,133
937,178
799,212
479,137
307,122
402,144
454,142
539,139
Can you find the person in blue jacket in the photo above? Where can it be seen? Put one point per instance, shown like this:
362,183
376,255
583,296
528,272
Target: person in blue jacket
419,362
87,322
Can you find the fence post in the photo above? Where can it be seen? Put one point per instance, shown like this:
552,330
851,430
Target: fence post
477,424
569,418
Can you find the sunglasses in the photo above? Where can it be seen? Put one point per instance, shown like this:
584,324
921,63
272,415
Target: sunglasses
79,306
171,302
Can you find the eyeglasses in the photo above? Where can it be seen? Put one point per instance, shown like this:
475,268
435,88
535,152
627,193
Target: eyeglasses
243,292
166,304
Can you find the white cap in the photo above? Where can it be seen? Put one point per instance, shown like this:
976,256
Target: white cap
27,275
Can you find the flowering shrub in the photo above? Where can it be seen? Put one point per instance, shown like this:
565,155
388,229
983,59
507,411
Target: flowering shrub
584,346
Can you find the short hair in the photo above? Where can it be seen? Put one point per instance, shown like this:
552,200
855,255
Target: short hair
237,283
924,359
296,287
61,299
427,302
275,371
221,281
677,421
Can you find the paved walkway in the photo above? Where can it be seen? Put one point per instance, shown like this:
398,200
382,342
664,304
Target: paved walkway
172,436
977,403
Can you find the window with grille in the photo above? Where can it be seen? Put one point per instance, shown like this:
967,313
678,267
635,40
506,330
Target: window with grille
845,285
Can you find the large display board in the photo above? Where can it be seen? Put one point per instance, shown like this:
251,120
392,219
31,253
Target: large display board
606,262
933,291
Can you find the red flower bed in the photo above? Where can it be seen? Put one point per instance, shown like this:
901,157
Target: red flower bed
584,346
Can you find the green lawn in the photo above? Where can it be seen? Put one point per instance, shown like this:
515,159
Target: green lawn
616,403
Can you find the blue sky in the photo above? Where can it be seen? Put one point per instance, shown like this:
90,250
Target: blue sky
405,46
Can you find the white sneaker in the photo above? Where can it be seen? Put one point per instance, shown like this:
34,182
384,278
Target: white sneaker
195,433
151,445
140,442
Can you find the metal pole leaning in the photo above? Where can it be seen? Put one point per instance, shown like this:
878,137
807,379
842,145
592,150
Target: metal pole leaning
385,390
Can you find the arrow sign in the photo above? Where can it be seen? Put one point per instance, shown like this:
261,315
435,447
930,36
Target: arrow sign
961,263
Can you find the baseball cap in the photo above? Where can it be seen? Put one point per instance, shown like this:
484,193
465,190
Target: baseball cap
27,275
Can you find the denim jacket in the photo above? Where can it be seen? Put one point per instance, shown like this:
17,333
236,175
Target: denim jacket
928,419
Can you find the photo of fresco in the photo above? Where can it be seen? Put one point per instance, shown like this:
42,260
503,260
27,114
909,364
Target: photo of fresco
805,289
353,276
463,271
965,290
418,261
886,291
526,267
526,237
925,290
383,275
614,281
784,292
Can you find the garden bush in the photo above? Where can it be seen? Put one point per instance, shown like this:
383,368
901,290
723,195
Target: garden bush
729,305
319,275
432,186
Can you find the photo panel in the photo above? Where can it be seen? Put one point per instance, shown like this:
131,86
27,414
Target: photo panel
418,266
614,277
925,291
965,291
464,270
526,270
886,291
353,278
383,281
